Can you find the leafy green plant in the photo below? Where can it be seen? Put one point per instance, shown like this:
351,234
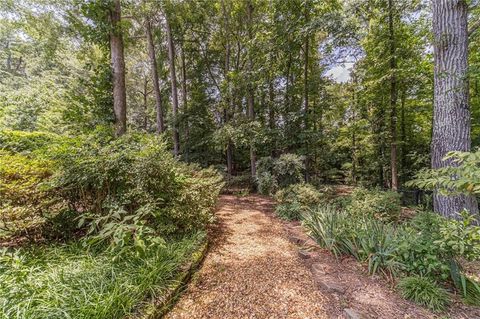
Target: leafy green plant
468,288
131,190
273,174
377,245
418,249
383,205
424,291
291,211
329,227
462,177
298,198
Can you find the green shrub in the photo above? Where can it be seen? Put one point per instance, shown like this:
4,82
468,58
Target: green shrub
273,174
132,191
266,183
291,211
383,205
288,170
418,250
297,198
28,142
128,190
368,240
424,291
329,227
24,202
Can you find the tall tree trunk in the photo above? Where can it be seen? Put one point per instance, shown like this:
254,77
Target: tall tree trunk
250,88
173,81
228,98
145,104
403,134
184,101
154,72
451,125
393,99
118,70
306,101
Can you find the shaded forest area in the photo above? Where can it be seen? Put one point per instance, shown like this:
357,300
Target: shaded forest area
121,121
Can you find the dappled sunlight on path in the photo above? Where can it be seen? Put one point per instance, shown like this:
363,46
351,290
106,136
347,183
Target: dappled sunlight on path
251,270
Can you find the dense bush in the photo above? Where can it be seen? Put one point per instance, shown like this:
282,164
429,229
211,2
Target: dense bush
132,190
295,199
128,190
24,203
26,142
274,174
383,205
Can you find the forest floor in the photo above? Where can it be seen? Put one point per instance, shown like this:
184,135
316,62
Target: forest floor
261,267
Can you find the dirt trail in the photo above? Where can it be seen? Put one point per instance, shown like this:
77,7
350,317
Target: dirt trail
253,270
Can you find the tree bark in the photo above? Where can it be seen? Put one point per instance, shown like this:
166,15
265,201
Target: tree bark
173,81
306,101
184,102
145,104
118,70
451,114
154,72
250,89
393,99
228,96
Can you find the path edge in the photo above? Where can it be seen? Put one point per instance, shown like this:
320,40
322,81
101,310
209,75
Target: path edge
157,308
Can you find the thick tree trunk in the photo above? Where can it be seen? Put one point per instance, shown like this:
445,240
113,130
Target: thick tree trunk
393,99
451,124
154,71
173,81
118,70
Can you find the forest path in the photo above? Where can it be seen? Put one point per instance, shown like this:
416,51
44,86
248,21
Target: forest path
252,270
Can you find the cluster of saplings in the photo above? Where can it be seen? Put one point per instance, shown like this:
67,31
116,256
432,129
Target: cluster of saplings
423,253
122,192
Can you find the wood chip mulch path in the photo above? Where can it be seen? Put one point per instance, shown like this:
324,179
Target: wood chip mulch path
252,270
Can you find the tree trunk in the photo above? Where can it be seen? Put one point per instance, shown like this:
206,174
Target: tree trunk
403,134
145,104
184,101
451,114
393,99
154,71
250,89
118,70
173,81
306,101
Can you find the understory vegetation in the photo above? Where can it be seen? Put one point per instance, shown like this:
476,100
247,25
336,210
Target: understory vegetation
104,223
68,281
422,251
